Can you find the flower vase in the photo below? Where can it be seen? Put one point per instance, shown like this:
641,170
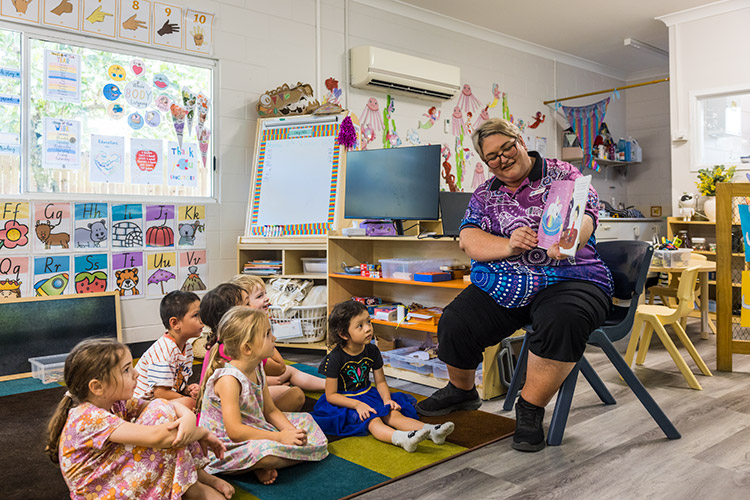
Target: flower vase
709,208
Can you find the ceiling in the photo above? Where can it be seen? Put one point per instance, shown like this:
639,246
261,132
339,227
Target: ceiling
593,30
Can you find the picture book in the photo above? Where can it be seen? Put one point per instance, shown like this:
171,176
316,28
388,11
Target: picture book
563,214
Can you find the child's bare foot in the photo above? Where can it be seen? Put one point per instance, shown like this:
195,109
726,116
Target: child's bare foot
202,491
266,476
223,487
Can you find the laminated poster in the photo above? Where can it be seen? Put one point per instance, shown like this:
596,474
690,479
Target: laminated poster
193,271
745,314
127,274
91,225
99,17
21,10
199,32
52,227
62,76
146,161
191,226
107,159
182,164
135,21
10,144
15,277
161,272
127,225
51,275
745,222
14,227
62,144
167,29
160,221
62,14
91,273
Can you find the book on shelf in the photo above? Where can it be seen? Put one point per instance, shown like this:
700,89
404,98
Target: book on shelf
262,267
563,214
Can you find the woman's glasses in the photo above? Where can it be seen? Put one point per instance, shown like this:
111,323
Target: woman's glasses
508,152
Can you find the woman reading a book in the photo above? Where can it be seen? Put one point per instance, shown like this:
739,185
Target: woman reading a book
516,283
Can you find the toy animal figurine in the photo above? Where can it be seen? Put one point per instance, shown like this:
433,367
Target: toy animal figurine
687,205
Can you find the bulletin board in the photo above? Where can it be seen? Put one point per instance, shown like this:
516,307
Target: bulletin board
295,177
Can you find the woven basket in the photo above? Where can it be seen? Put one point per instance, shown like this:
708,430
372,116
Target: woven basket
312,318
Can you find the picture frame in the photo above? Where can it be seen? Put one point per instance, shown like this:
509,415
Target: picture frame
656,211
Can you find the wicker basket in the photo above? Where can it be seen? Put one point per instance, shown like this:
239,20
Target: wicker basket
312,318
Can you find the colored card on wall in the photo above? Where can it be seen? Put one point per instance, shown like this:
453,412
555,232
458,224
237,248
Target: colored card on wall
99,17
191,226
127,274
15,277
745,222
167,29
62,14
62,144
14,227
199,31
127,225
182,164
24,10
107,158
62,76
52,226
91,272
162,270
135,21
193,271
51,275
91,225
745,314
160,225
146,161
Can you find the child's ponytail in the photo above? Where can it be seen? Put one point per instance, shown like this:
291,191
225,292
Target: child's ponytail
55,427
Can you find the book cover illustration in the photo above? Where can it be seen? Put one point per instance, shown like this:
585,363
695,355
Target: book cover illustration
563,215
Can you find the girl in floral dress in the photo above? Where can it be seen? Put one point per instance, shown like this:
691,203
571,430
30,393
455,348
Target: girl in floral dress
238,408
110,446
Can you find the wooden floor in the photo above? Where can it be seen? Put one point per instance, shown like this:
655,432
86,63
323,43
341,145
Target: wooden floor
611,452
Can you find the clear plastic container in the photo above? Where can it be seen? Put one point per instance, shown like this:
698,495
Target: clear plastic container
399,358
313,265
671,258
48,369
407,267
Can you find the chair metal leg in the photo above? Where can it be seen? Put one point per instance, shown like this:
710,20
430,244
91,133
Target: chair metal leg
595,382
562,407
518,373
641,393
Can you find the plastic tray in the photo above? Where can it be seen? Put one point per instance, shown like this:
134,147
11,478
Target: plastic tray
48,369
314,265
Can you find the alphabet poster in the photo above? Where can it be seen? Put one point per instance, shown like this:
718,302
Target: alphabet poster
14,277
135,21
160,226
199,32
21,10
161,269
167,29
51,275
62,14
107,158
182,164
127,225
193,270
146,161
191,226
14,227
127,274
52,226
62,144
99,17
91,225
91,273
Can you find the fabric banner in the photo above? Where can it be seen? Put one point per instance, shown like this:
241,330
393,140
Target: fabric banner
585,121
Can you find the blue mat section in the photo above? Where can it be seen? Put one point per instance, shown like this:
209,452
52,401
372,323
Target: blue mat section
312,370
23,385
329,479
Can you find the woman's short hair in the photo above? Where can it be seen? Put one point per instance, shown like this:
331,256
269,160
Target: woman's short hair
493,126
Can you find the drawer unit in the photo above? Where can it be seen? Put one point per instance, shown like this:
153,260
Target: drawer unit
630,229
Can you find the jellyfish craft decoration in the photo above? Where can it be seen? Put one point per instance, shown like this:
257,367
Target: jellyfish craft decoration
371,116
467,101
458,121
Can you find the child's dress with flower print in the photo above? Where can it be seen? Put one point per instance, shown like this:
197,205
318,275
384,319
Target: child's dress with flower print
94,467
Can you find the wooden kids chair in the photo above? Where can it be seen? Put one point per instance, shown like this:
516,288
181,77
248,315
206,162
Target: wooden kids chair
657,317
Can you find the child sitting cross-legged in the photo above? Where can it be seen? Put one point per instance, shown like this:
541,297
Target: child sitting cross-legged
109,445
165,368
351,405
238,408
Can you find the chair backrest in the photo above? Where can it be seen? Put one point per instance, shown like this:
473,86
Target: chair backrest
628,261
686,290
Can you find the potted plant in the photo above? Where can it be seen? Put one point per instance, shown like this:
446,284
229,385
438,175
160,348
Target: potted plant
707,179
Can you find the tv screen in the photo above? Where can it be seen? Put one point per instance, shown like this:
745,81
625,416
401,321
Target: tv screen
398,184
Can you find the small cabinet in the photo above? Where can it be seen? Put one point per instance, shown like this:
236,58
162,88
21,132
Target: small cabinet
630,229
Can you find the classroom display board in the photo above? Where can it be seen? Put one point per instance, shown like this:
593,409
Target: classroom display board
295,179
42,326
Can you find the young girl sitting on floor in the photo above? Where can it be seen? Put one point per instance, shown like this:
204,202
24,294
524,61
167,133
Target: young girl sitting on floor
213,307
351,406
278,372
98,434
239,410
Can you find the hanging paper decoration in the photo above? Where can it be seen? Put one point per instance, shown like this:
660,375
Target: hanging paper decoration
285,101
178,118
188,100
585,121
203,136
390,137
432,116
506,109
479,176
347,134
372,122
538,118
449,178
458,121
467,102
412,137
460,165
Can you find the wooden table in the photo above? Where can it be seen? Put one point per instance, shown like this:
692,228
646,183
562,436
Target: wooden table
706,267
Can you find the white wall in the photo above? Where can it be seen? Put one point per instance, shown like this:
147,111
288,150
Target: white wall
261,44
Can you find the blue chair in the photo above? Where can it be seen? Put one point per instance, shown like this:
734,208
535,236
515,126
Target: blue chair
628,261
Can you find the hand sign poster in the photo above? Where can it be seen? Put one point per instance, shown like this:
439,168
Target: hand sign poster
199,32
135,21
62,13
167,26
21,10
99,17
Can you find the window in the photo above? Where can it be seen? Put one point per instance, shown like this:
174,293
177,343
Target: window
10,112
103,121
723,129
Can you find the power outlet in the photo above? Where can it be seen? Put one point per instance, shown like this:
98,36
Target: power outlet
447,125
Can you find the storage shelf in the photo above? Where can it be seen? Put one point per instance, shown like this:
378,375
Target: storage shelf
316,346
734,285
457,284
709,252
409,326
296,276
678,220
602,161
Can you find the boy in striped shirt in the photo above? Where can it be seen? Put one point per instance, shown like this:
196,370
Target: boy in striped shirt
164,369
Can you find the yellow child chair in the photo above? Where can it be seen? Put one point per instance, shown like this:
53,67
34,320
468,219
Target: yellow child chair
657,317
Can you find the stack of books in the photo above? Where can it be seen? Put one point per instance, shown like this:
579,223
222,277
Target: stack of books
262,267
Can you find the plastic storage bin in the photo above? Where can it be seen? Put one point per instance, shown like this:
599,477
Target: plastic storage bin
312,318
671,258
440,370
411,266
48,369
399,358
314,265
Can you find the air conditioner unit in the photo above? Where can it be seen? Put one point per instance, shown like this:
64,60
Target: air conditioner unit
380,69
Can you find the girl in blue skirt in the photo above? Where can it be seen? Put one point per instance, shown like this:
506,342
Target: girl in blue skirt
352,405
